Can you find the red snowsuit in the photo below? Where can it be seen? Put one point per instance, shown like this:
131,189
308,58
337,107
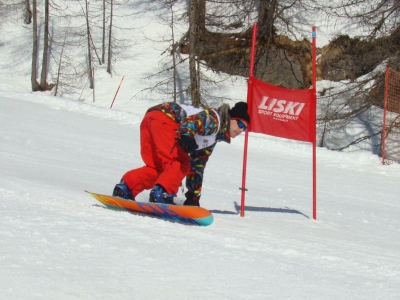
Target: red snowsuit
166,163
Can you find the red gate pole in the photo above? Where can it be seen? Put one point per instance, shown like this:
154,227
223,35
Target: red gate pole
117,92
249,102
314,123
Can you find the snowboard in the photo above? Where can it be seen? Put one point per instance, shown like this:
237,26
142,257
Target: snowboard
191,215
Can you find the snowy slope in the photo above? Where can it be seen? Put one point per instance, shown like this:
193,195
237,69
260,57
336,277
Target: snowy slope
56,242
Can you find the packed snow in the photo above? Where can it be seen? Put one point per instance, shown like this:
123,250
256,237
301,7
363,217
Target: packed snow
57,242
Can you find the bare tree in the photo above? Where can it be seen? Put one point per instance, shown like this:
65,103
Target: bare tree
109,58
351,58
266,18
103,40
116,45
89,48
381,17
167,84
46,39
193,37
35,85
60,63
27,12
201,17
170,5
43,86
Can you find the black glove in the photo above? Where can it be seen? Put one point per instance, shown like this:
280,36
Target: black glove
191,199
187,143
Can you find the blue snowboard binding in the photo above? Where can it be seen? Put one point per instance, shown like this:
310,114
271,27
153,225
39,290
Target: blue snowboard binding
121,190
159,195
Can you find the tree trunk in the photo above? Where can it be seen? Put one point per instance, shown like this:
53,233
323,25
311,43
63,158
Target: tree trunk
35,85
173,52
43,76
60,63
110,38
202,18
266,17
103,43
89,47
27,13
193,33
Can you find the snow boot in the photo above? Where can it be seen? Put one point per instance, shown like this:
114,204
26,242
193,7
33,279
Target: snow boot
191,199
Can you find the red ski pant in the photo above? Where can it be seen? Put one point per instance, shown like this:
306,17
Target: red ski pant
165,162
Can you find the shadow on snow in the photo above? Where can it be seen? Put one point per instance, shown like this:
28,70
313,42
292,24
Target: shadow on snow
285,210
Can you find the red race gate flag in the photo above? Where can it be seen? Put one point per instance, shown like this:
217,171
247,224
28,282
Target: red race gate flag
282,112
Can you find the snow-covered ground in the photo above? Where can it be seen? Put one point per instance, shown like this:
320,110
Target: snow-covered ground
57,242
